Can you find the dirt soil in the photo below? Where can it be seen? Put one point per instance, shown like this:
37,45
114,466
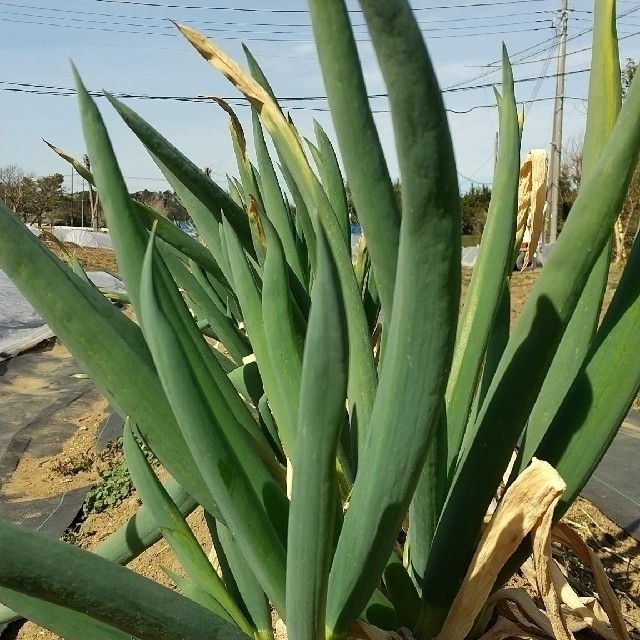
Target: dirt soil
90,259
80,464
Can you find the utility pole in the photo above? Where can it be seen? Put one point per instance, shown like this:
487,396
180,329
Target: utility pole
82,206
93,197
556,142
72,222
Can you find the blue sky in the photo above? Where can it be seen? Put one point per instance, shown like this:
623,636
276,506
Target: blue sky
130,47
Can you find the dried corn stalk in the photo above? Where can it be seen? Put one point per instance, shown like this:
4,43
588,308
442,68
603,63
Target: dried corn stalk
532,196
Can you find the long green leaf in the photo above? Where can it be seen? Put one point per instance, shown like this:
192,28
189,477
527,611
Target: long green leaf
427,502
141,531
362,374
605,91
252,504
93,334
258,74
274,204
284,347
202,197
181,241
427,289
403,592
239,579
74,162
68,624
304,226
498,339
130,239
332,181
489,272
269,426
315,485
194,592
122,378
594,408
531,348
224,298
233,340
178,535
604,106
370,183
165,229
132,538
250,299
71,578
175,339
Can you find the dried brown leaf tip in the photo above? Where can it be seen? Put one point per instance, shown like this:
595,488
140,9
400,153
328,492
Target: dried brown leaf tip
253,210
236,126
215,56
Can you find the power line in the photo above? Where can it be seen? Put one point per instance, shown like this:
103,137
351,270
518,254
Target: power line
39,89
458,87
236,30
234,37
543,72
56,10
498,63
303,11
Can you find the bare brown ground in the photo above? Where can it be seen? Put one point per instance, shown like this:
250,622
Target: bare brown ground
619,552
90,259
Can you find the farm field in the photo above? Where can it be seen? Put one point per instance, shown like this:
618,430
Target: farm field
619,552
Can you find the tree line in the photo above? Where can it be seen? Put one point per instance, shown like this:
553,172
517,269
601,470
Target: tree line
44,200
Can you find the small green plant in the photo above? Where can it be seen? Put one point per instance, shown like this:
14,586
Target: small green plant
113,487
115,484
305,446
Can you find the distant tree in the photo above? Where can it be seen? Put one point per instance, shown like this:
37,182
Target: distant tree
166,203
94,199
397,190
569,181
628,74
475,205
43,198
13,187
75,210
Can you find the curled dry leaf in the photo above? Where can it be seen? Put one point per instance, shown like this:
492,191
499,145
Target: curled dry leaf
618,630
504,628
577,607
518,606
573,613
524,505
544,572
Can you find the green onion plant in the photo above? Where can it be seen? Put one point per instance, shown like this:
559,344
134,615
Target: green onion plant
340,401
